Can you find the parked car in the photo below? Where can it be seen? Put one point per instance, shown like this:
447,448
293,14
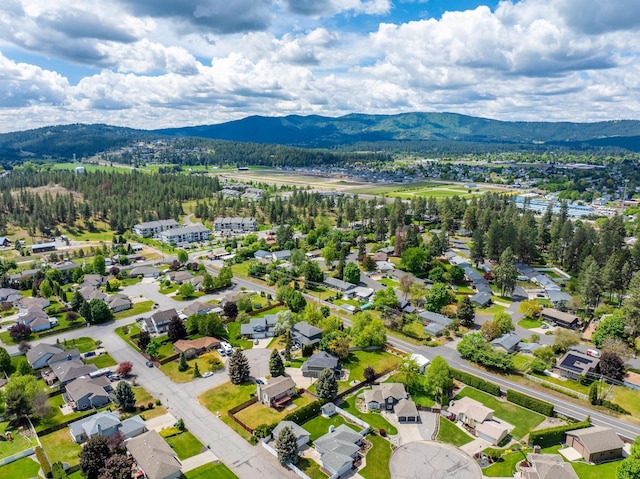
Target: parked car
545,326
207,374
149,364
259,381
256,341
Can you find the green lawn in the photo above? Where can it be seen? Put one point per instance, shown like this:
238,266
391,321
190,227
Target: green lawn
124,282
377,459
505,467
185,444
375,420
225,397
319,425
529,323
523,419
60,447
6,338
569,384
83,344
378,360
452,434
173,287
388,282
21,469
311,468
19,443
258,413
235,338
102,361
55,417
600,471
270,311
138,308
204,365
420,395
521,362
209,471
628,399
493,309
125,332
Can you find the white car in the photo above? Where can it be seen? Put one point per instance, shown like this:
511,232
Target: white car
207,374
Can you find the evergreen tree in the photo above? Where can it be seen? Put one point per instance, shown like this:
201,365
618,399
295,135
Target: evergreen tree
287,345
124,397
631,306
505,273
177,330
466,312
183,365
594,397
327,386
85,311
196,371
76,301
590,282
144,338
287,446
239,370
477,247
276,366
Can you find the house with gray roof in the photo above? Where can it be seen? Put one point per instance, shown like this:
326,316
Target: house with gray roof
36,320
547,466
159,321
262,255
384,396
180,277
145,271
154,457
282,255
435,318
559,299
87,393
33,304
434,329
301,434
406,411
189,234
259,328
118,302
39,355
575,364
92,280
90,292
304,334
277,392
508,342
106,423
339,449
481,299
595,443
67,371
337,284
66,355
6,293
197,308
318,362
152,228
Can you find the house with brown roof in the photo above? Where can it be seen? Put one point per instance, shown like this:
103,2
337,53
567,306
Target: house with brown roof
195,347
154,457
277,392
595,443
561,318
470,412
547,466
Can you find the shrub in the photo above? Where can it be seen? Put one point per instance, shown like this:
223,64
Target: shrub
44,462
475,382
383,432
529,402
180,425
305,413
158,402
554,435
263,430
150,405
614,407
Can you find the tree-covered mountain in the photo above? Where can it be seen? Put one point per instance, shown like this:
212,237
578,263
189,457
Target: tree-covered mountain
318,131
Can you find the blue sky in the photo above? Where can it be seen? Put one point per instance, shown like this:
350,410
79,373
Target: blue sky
161,63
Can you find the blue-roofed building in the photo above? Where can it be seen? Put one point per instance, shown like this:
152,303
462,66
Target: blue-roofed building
106,423
508,342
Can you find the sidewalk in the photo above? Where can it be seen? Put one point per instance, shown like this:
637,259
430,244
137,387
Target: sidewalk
198,460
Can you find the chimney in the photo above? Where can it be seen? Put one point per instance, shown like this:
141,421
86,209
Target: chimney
99,429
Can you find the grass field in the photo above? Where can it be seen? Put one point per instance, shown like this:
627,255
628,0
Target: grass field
235,338
311,468
138,308
22,468
89,168
225,397
125,332
185,444
600,471
377,459
452,434
628,399
523,419
505,467
357,361
102,361
60,447
83,344
208,471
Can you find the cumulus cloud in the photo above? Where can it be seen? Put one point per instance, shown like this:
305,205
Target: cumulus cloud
327,8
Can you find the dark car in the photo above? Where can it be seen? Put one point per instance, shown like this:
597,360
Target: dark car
149,364
259,381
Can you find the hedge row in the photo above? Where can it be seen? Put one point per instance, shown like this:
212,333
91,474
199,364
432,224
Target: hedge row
53,331
554,435
305,413
44,462
529,402
475,382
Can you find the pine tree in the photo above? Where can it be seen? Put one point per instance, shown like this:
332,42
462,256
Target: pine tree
327,386
124,397
287,345
196,371
287,446
593,393
182,365
466,312
238,367
276,366
506,273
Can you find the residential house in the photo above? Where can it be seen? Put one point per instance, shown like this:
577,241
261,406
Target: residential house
196,281
493,431
92,280
43,247
406,411
195,347
595,443
118,302
318,362
481,299
91,292
234,225
305,334
197,308
384,266
384,396
39,355
434,329
154,457
575,364
4,241
561,318
547,466
33,304
421,361
316,253
36,320
106,423
277,392
301,434
328,409
379,256
435,318
259,328
559,299
87,393
65,355
159,321
508,342
189,234
180,277
67,371
8,295
23,275
144,271
339,449
527,348
283,255
217,253
470,412
337,284
153,228
262,255
360,292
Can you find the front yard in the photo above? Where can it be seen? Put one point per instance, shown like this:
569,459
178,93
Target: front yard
218,471
452,434
319,425
25,467
207,362
523,419
377,459
136,309
102,361
375,419
225,397
380,361
19,443
185,444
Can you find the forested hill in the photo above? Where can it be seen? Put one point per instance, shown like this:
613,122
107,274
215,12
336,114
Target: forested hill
318,131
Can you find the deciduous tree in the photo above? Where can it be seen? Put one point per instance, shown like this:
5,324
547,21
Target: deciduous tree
94,455
439,380
125,368
612,366
176,330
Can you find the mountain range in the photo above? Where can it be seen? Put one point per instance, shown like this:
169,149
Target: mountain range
439,131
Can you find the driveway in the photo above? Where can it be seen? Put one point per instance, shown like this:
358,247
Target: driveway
300,380
258,361
475,446
161,422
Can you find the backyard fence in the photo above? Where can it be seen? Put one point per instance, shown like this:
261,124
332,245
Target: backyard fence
550,385
15,457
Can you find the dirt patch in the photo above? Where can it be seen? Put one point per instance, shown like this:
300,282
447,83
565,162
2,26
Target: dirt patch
53,190
550,422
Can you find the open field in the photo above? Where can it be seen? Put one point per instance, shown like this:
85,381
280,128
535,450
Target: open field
19,443
225,397
138,308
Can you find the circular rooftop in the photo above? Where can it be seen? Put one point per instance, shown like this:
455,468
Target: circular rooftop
435,460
